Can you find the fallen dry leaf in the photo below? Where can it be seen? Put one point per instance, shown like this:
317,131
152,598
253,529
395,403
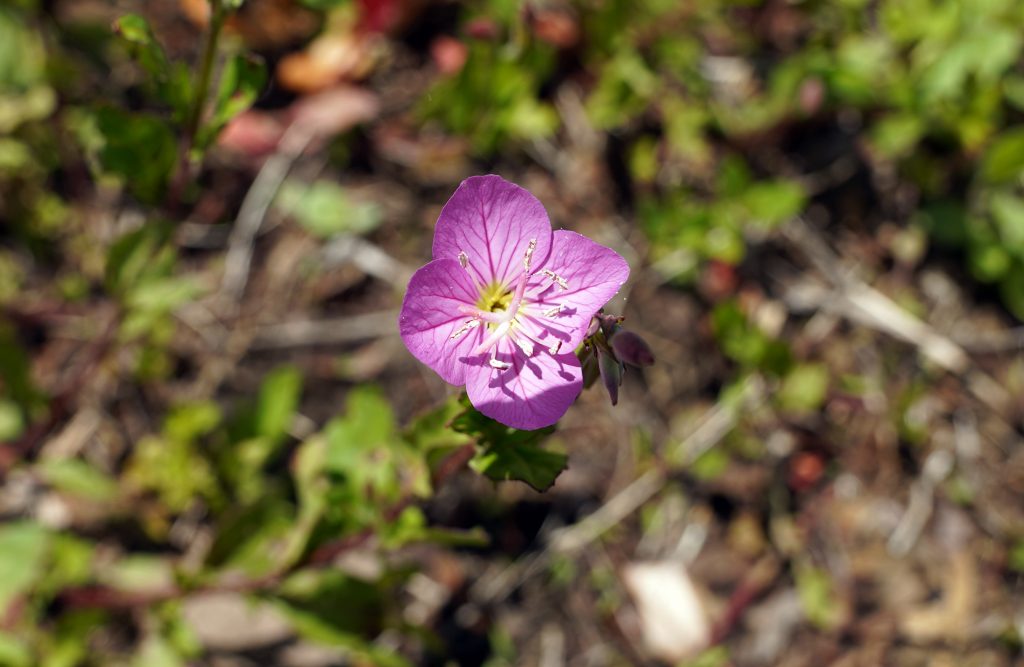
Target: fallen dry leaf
673,620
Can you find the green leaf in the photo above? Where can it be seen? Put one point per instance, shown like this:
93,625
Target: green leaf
156,651
510,454
78,478
135,31
139,148
711,464
278,400
241,82
1008,214
138,256
329,607
771,203
1004,160
164,295
896,135
1016,557
946,222
12,422
23,549
168,81
326,209
1012,290
989,262
14,652
16,371
71,562
365,450
139,573
745,343
189,421
1013,89
368,423
814,586
432,430
804,388
22,56
253,539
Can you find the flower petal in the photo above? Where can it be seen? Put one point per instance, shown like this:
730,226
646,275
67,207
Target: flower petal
531,393
592,273
430,316
490,222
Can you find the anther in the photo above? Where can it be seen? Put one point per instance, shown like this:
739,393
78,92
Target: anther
524,344
553,312
555,278
463,259
464,328
500,365
555,348
529,254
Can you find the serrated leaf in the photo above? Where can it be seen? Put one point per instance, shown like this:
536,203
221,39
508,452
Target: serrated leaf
524,463
509,454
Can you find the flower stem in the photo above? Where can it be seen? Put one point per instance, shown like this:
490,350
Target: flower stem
202,93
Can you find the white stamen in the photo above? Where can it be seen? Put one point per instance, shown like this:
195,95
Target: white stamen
555,348
529,254
496,335
524,344
555,278
500,365
464,328
553,312
463,259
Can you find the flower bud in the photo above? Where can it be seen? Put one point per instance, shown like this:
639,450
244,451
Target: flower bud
588,362
611,374
595,324
631,348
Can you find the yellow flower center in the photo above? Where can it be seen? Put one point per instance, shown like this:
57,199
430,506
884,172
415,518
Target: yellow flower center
494,298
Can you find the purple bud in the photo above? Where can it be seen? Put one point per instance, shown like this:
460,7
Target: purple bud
611,374
631,348
595,324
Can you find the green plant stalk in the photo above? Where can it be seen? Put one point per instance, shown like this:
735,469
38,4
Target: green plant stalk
217,17
202,88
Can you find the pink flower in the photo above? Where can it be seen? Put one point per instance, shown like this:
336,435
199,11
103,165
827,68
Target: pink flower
505,302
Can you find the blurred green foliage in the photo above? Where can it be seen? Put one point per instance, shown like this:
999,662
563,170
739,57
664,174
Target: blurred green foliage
932,90
700,102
